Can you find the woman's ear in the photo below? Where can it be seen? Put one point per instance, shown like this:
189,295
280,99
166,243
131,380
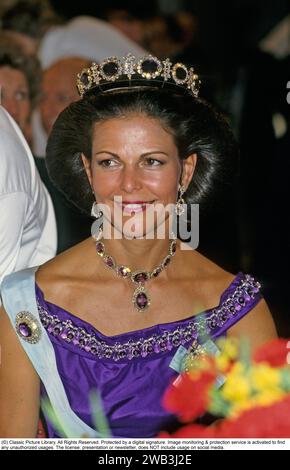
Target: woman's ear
87,166
188,168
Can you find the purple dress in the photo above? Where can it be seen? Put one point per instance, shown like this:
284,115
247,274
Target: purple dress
131,371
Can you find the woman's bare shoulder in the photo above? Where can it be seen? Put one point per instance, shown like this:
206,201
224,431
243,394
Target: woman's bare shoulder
208,279
215,279
207,272
58,273
257,325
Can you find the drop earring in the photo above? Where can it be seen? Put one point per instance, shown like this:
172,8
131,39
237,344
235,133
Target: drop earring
95,211
97,226
179,206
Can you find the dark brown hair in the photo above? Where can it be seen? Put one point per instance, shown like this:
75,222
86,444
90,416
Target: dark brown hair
195,126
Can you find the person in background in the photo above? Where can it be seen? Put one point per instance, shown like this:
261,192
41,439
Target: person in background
58,88
20,77
164,36
58,91
127,19
86,38
26,22
27,223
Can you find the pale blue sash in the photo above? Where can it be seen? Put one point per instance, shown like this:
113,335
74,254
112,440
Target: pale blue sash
18,295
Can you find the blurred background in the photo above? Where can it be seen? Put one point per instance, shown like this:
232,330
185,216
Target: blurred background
240,49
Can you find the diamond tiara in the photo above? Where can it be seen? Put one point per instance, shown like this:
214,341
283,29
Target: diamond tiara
126,72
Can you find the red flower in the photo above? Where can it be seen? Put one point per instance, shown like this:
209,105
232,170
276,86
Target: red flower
274,352
190,431
189,399
260,422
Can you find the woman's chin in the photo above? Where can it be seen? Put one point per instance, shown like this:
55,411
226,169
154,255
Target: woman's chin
134,231
138,233
137,227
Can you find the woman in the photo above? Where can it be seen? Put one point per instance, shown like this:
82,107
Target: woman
20,77
90,322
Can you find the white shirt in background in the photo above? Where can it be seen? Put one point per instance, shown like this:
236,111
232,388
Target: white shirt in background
28,234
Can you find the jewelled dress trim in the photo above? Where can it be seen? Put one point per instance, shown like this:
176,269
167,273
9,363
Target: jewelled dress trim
231,307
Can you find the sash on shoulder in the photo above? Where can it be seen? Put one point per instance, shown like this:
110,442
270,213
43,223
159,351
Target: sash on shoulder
19,301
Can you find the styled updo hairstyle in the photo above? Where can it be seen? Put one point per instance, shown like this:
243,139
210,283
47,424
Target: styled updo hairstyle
194,125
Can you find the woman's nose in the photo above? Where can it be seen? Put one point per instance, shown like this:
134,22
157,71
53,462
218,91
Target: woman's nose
130,180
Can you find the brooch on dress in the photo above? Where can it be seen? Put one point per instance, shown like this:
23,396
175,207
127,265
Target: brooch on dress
28,327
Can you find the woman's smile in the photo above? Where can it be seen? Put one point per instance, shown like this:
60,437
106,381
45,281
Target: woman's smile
135,206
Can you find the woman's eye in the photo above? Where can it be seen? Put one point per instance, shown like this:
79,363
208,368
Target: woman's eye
153,162
107,163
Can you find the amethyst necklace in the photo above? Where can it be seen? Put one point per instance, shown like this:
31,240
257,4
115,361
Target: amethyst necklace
140,299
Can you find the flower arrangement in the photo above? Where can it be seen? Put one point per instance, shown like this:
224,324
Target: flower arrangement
248,393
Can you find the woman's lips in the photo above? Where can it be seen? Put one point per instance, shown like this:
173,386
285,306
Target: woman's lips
136,206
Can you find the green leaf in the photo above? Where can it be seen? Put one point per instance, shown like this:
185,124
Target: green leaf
218,405
98,415
245,352
285,379
51,415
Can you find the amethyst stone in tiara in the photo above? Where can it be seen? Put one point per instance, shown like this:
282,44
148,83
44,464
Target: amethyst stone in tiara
128,71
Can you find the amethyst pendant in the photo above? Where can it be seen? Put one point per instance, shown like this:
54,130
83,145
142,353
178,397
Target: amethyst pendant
141,299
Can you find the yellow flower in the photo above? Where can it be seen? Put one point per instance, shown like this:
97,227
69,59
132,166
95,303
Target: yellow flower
264,377
239,407
237,386
267,397
222,362
262,399
237,369
246,389
229,347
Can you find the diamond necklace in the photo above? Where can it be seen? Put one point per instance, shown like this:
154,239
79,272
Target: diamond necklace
140,299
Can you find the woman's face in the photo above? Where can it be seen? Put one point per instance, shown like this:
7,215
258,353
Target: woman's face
135,158
15,95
